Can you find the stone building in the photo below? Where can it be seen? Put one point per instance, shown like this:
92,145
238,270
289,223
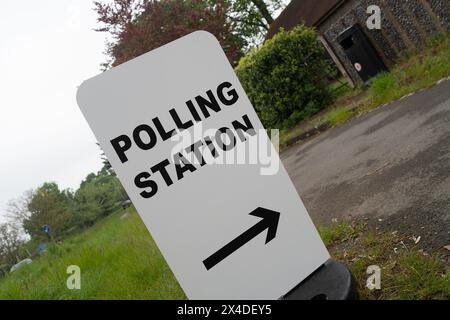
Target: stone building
405,25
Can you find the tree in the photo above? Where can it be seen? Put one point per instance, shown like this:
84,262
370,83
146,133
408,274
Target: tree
17,209
89,178
48,206
140,26
253,18
99,195
88,205
10,242
106,164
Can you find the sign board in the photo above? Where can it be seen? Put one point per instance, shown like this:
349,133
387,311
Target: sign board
171,122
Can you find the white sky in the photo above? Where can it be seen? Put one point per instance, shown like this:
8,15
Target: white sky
47,48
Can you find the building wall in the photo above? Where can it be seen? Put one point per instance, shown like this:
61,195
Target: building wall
406,25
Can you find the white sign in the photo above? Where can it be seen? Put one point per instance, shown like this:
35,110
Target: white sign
171,122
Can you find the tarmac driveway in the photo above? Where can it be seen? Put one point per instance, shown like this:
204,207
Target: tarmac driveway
392,165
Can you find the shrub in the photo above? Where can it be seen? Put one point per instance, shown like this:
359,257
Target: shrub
286,78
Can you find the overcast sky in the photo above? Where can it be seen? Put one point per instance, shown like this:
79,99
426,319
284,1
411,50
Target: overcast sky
47,48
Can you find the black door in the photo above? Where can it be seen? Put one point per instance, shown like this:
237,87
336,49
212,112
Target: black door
361,52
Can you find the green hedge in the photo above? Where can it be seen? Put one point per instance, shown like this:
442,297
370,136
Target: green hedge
286,78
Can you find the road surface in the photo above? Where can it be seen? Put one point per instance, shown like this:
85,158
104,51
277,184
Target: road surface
391,164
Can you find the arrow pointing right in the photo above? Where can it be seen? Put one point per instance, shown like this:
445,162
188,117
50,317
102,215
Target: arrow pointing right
269,221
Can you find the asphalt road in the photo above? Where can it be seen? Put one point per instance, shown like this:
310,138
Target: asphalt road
392,165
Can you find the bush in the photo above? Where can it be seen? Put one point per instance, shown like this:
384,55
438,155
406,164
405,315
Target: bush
286,78
98,196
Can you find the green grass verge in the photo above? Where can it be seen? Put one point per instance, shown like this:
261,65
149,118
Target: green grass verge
407,272
417,71
337,232
339,116
118,260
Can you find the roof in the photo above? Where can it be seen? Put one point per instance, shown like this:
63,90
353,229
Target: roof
308,12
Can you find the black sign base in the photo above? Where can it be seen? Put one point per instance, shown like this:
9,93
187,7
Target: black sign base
332,281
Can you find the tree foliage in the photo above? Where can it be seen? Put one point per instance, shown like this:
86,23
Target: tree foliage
64,211
253,18
283,77
99,195
48,206
17,209
140,26
10,241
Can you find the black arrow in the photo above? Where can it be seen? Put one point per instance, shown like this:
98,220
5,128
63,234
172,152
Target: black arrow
269,221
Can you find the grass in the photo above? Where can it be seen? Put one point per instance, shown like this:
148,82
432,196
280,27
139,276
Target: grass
339,116
118,260
338,232
415,71
407,272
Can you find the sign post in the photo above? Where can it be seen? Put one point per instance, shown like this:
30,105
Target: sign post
199,167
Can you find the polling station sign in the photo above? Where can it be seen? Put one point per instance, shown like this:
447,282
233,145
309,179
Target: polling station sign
186,143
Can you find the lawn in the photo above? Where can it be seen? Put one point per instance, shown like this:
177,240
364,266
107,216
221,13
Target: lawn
118,260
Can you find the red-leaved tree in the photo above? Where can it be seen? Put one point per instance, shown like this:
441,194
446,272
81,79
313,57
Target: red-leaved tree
138,26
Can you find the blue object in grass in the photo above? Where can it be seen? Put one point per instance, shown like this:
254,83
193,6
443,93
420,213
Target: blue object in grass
41,247
46,229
